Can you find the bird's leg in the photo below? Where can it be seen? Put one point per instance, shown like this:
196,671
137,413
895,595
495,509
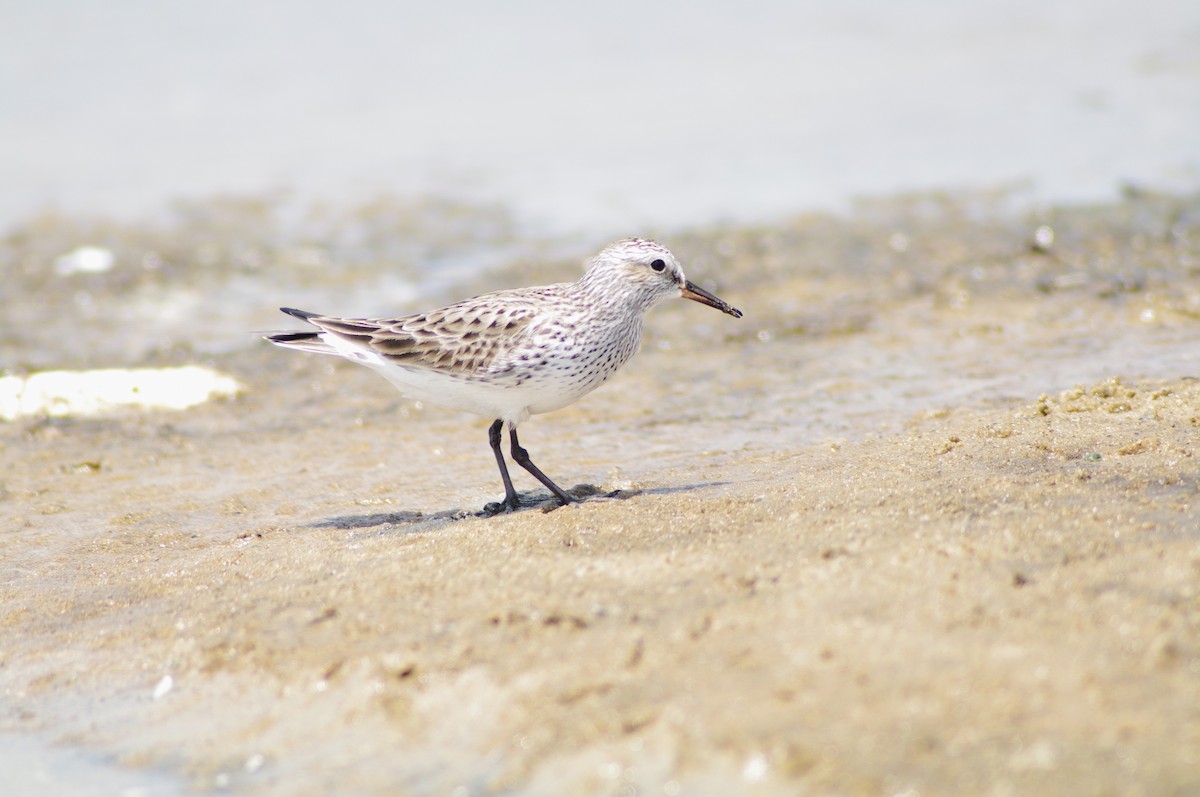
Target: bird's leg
521,457
510,495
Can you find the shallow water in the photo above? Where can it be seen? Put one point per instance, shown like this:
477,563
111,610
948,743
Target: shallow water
853,323
31,767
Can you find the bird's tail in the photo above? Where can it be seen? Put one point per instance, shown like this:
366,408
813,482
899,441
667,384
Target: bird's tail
304,341
303,315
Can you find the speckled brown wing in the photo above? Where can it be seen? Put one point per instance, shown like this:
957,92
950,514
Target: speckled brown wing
467,338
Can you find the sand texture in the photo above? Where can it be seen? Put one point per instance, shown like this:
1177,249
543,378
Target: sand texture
926,520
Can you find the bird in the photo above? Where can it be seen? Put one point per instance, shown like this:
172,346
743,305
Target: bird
512,354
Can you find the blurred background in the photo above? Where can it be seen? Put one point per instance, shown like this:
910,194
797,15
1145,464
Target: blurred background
167,162
603,119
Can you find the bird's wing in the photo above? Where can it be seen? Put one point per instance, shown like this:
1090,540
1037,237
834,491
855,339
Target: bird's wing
468,338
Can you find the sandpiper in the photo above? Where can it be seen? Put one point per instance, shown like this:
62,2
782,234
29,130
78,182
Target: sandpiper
512,354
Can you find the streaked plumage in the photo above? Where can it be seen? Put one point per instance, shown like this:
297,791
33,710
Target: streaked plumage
512,354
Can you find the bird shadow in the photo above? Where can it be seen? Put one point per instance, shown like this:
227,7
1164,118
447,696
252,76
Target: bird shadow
415,522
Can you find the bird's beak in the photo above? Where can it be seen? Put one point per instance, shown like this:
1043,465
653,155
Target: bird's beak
697,294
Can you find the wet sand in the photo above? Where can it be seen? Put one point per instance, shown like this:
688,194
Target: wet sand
924,521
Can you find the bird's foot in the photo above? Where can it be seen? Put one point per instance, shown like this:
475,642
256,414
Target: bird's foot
513,503
493,508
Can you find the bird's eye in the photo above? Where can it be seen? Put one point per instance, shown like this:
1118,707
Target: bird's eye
658,265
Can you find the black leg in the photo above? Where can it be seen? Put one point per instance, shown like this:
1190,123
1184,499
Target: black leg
521,457
510,495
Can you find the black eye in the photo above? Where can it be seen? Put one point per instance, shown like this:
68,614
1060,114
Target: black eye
658,265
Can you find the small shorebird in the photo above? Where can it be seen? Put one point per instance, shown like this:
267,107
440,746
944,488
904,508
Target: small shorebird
512,354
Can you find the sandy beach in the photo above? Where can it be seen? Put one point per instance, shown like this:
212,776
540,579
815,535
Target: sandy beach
925,521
